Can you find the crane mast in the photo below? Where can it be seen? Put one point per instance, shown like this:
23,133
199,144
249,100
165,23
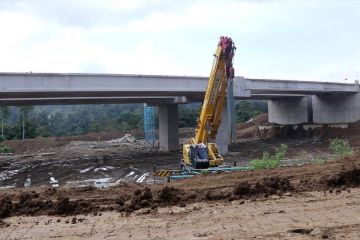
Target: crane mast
201,153
214,101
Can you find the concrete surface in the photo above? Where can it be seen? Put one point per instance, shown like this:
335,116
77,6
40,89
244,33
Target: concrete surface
288,111
68,88
168,127
337,108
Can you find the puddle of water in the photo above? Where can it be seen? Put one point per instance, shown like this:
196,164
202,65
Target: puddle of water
124,178
103,168
99,183
142,178
7,174
102,183
86,170
7,187
130,174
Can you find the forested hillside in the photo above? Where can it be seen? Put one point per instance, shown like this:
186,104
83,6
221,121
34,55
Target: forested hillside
29,122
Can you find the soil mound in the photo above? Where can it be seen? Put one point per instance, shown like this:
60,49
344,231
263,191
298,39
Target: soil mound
249,129
349,178
268,185
169,195
143,198
128,198
5,206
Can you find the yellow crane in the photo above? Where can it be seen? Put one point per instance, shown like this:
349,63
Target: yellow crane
201,152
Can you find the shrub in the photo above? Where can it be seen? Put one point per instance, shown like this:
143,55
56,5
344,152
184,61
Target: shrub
341,147
318,160
269,161
5,149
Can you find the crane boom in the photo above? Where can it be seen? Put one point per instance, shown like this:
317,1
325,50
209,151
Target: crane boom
222,70
200,153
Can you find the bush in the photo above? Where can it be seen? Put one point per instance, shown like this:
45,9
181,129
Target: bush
269,161
5,149
341,147
318,160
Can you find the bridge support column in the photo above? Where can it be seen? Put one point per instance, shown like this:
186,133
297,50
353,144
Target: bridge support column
288,111
223,135
336,108
168,127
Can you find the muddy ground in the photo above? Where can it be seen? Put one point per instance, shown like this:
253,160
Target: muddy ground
101,188
311,201
83,163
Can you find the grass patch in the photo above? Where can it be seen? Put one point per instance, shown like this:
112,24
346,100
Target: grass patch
268,161
319,160
341,147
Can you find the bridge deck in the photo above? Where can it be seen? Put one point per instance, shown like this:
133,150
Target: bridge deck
74,88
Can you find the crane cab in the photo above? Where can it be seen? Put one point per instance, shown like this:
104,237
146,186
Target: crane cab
201,156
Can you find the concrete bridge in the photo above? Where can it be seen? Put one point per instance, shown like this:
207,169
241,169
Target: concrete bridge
289,102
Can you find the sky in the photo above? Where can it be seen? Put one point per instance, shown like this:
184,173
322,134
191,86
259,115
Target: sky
300,40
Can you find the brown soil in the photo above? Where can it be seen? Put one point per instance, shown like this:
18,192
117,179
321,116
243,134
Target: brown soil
337,175
249,129
308,201
45,144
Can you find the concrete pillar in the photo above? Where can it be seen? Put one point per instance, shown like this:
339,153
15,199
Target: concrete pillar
336,108
288,111
223,135
168,127
230,101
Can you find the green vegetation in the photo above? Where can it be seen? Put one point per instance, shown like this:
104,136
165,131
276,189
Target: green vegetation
45,121
246,110
319,160
341,147
270,161
5,149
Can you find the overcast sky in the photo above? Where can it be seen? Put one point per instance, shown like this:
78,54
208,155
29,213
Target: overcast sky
310,40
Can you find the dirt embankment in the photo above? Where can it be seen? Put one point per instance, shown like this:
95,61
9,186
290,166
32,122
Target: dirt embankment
332,176
249,129
45,144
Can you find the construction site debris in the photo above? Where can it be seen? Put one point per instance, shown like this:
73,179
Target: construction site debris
127,138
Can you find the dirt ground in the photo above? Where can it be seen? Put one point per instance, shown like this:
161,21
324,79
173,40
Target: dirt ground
314,215
295,202
104,188
95,159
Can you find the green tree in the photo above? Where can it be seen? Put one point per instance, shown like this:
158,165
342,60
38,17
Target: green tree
24,112
246,110
5,113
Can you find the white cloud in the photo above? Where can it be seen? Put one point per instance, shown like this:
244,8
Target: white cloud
275,39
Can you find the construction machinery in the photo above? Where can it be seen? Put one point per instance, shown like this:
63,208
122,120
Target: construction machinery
202,152
201,155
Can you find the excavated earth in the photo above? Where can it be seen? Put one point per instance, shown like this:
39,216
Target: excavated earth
335,176
311,189
300,200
